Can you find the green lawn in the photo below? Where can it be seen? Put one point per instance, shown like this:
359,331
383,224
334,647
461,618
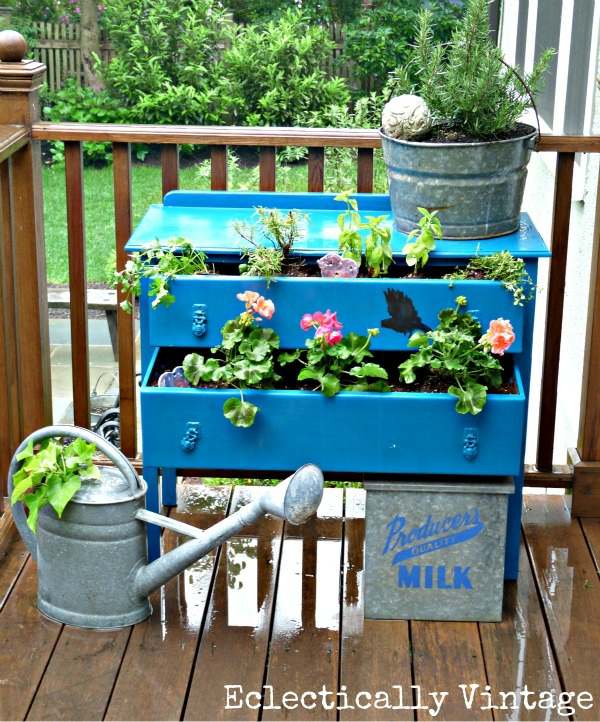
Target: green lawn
146,183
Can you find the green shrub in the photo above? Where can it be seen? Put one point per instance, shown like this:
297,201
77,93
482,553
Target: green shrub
381,39
165,57
83,105
273,74
466,83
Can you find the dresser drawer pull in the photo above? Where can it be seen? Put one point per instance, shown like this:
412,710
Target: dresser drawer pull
190,439
199,320
470,443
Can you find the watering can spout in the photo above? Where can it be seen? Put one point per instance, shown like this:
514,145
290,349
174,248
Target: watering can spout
296,499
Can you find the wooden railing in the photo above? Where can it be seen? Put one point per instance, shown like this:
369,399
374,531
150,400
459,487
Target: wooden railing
585,470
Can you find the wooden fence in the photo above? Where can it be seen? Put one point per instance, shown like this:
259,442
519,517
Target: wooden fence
58,47
24,349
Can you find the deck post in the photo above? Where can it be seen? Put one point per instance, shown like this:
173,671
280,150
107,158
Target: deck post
586,459
20,81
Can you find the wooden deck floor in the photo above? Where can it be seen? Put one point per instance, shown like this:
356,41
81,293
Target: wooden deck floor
282,607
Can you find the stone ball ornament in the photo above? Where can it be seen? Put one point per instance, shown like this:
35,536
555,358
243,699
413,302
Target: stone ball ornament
406,117
13,46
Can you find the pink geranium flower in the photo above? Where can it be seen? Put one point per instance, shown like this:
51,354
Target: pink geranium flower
325,324
499,337
306,321
333,337
330,320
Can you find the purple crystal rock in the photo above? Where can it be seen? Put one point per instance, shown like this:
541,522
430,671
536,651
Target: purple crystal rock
174,378
332,265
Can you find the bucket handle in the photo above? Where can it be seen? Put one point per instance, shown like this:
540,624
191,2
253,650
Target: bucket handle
72,432
521,80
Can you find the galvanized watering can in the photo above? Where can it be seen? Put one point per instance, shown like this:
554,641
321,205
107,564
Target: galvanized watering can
92,563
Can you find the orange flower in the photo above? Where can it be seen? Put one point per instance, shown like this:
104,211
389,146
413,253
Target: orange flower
264,307
500,336
248,297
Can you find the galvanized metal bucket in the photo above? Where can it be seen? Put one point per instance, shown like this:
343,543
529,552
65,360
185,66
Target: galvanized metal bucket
477,187
435,548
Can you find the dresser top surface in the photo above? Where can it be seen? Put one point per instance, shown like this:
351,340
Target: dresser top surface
209,220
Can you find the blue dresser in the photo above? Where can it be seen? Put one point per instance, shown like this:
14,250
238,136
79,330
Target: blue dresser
354,433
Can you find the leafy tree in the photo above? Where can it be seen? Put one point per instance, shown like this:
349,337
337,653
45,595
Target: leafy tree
273,74
160,47
381,38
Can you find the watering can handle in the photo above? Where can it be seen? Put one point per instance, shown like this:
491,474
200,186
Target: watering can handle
73,432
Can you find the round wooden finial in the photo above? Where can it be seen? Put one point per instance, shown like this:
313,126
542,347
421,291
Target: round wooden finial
13,46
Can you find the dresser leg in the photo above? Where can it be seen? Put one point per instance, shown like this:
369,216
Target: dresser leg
153,503
169,487
513,532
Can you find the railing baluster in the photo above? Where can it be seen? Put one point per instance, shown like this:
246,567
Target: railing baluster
169,160
77,283
267,168
364,171
316,169
554,312
126,322
218,168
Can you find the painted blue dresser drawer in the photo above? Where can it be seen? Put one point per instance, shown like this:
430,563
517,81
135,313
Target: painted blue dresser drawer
397,306
353,432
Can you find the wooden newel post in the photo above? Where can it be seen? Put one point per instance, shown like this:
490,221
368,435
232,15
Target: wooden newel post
23,236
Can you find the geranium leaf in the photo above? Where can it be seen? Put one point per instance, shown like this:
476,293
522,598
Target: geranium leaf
240,413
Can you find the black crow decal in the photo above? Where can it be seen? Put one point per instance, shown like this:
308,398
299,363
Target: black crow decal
403,314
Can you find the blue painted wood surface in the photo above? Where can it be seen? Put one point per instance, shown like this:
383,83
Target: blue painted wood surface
360,304
208,219
353,432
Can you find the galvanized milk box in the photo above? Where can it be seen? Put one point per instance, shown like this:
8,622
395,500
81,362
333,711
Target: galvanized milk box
435,548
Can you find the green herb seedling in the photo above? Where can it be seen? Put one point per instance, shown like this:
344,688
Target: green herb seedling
429,230
271,242
503,267
161,263
349,223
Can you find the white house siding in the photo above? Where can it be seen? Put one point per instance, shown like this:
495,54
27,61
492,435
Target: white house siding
570,104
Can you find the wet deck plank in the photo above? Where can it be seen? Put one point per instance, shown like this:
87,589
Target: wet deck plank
445,656
570,590
375,653
27,641
304,647
235,640
80,675
13,556
157,665
518,651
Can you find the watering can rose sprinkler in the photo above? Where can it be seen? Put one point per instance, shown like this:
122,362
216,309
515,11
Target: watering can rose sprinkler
92,563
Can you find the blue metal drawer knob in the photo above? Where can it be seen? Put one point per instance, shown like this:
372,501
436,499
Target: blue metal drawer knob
470,443
199,320
189,440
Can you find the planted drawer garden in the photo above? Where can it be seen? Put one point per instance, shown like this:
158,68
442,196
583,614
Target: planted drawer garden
350,433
